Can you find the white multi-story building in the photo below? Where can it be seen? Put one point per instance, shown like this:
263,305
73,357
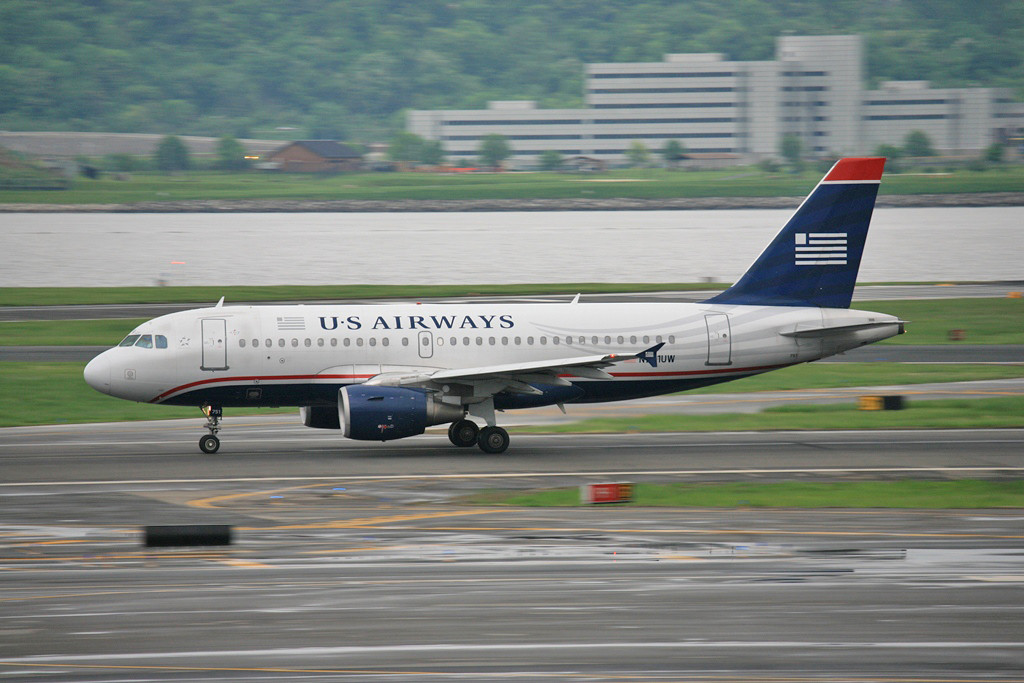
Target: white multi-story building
741,110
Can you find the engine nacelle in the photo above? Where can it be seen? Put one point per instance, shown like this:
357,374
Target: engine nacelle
320,417
378,413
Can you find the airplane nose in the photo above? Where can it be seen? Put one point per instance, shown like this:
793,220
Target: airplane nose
97,373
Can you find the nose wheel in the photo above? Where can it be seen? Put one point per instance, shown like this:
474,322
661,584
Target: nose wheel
209,443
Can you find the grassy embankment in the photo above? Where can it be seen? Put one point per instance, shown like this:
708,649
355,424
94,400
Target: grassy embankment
964,494
632,183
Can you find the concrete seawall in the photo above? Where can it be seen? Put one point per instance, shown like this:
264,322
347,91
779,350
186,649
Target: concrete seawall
442,205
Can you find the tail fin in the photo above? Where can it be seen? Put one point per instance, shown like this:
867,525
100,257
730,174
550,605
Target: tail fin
815,259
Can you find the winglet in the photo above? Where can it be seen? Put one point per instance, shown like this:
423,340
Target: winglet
220,303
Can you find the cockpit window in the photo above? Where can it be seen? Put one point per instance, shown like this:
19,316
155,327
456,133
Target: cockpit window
145,341
161,341
129,340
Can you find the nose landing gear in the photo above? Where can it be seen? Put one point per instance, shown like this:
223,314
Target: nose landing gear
209,443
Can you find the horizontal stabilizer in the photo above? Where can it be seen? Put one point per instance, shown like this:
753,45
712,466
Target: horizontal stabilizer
831,330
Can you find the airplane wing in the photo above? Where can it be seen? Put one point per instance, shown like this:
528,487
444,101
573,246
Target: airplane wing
517,377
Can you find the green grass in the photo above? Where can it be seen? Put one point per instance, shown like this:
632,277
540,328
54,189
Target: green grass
840,375
984,321
964,494
937,414
653,184
55,393
67,332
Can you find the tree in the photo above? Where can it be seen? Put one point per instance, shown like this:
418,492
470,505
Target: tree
890,152
551,160
638,154
791,150
231,154
918,144
994,153
406,147
672,152
172,155
431,153
494,149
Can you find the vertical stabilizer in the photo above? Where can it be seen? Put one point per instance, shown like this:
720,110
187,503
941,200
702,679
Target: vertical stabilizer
814,260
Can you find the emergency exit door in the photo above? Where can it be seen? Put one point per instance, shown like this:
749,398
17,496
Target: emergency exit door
215,347
719,339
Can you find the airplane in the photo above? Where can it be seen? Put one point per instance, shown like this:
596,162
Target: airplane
378,372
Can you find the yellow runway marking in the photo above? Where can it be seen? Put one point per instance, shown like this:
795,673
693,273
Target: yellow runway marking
245,564
372,521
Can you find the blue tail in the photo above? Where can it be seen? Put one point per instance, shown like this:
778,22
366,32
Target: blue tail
815,259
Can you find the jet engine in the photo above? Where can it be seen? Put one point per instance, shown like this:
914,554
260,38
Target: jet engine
378,413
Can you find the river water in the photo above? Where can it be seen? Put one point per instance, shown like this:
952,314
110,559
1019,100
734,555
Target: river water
476,248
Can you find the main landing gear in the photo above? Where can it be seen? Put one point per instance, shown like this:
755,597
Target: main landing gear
209,443
465,433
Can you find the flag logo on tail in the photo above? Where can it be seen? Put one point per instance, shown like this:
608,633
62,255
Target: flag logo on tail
820,249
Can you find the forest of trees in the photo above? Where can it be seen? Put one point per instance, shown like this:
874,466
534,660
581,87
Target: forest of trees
347,69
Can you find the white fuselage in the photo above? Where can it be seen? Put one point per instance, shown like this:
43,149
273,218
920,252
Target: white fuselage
301,354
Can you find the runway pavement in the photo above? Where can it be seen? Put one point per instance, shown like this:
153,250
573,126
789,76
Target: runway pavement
357,561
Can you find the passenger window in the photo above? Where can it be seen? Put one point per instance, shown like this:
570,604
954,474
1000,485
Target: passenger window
334,341
359,341
270,342
348,341
529,341
129,340
241,343
320,341
255,343
607,340
280,342
373,341
556,340
620,339
543,340
593,340
647,339
465,341
308,342
405,341
161,341
295,342
671,339
632,340
490,340
145,341
518,341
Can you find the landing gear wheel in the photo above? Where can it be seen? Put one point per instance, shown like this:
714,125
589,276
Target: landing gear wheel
209,444
463,433
493,440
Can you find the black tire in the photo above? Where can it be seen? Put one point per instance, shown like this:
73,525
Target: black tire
209,444
463,433
493,440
